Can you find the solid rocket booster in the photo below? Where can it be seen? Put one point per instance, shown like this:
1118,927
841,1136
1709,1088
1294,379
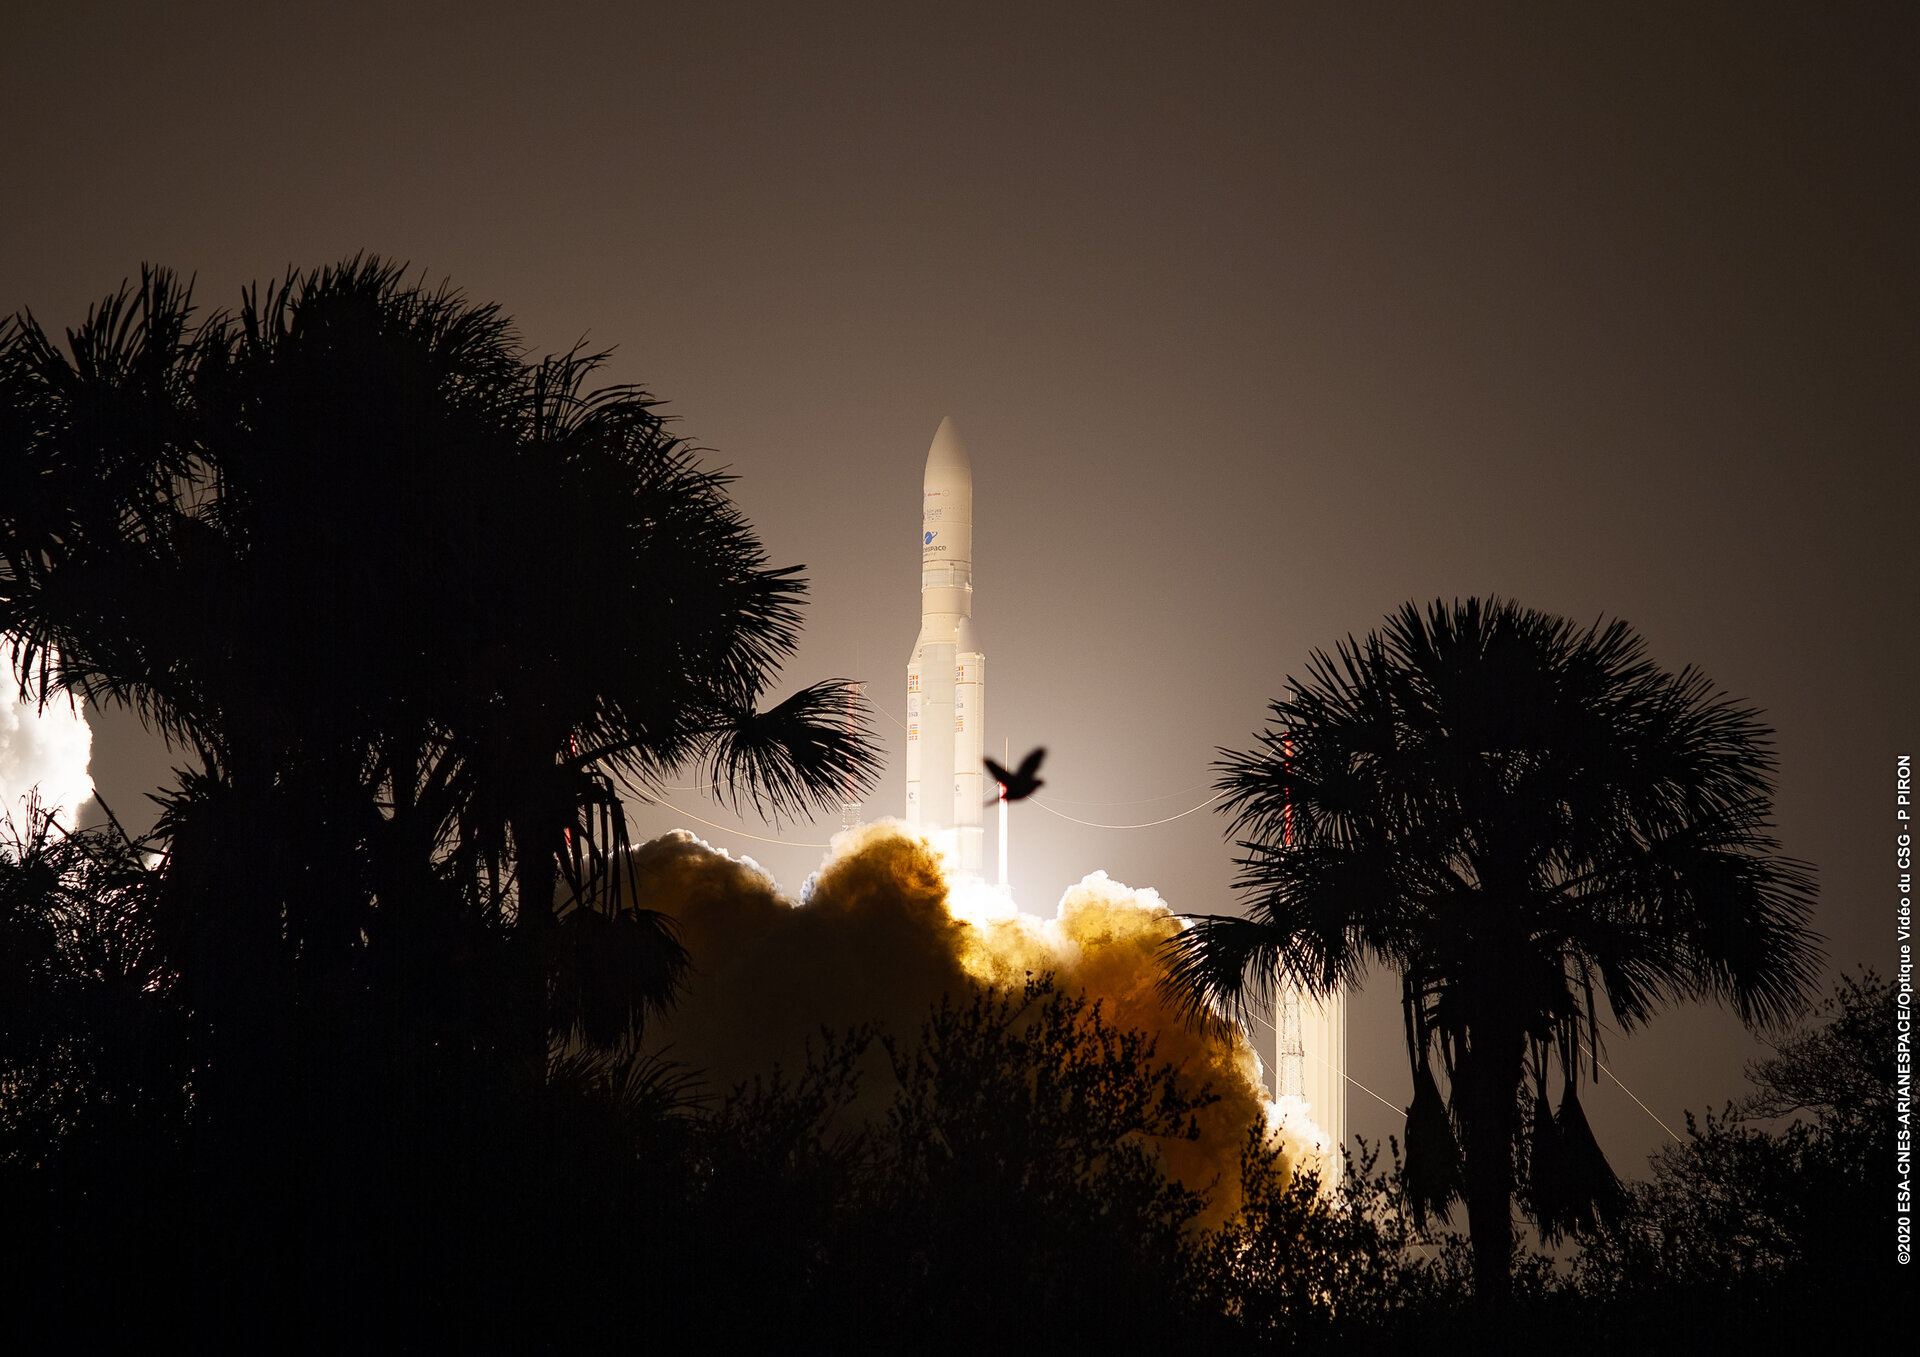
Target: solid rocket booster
947,676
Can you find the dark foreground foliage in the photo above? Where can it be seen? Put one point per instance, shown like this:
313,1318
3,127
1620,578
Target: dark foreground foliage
994,1174
417,612
1531,824
1787,1193
346,1057
992,1178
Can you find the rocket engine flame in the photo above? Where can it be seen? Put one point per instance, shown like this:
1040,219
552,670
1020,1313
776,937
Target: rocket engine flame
886,928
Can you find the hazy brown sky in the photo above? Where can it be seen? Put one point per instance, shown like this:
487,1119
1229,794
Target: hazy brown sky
1256,320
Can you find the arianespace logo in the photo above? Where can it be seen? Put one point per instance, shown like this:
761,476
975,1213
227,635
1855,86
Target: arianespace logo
930,537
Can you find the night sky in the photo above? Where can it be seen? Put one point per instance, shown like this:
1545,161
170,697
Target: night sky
1257,322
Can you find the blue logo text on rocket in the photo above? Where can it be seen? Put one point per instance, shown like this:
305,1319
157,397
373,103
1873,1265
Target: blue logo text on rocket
930,537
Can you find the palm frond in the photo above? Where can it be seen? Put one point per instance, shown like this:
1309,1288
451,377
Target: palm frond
1434,1179
613,968
1222,969
813,750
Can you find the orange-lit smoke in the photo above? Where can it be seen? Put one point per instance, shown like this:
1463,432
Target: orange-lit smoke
884,933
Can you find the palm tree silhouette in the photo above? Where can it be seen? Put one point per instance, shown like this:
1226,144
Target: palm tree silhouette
420,613
347,546
1522,818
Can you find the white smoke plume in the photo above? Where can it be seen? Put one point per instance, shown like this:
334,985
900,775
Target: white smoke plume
1292,1120
884,930
44,749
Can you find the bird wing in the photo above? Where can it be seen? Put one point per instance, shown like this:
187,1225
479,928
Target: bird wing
1000,775
1031,763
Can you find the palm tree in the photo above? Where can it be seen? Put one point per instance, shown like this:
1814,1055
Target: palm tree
419,610
1523,818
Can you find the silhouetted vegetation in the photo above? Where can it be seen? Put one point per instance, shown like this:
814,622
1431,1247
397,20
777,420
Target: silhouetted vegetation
1522,818
96,1066
345,1055
1746,1207
414,609
998,1170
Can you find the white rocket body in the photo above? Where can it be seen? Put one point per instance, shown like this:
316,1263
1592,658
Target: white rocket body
947,676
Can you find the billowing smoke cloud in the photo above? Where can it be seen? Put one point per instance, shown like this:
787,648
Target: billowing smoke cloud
883,933
44,749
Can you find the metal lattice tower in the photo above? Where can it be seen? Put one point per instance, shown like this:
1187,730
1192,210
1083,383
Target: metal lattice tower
1289,1042
1290,1047
850,809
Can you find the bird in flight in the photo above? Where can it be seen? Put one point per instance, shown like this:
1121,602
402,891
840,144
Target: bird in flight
1022,783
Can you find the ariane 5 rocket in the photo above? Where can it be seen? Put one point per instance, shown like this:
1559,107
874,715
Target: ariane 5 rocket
947,676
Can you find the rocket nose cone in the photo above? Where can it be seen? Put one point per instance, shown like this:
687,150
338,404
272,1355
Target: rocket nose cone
948,452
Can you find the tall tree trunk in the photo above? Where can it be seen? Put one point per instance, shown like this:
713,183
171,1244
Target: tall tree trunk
535,882
537,817
1491,1072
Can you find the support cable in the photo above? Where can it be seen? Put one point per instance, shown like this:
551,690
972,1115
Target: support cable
759,838
1141,801
1095,824
1355,1082
1631,1094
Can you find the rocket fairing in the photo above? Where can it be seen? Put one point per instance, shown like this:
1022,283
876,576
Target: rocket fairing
947,675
